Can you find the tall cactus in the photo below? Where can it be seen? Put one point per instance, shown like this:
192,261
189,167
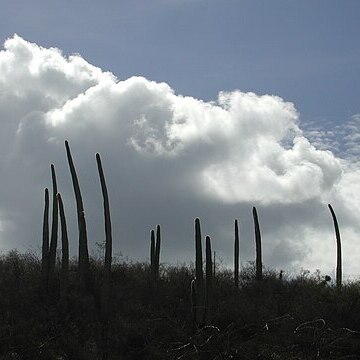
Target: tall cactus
208,280
83,246
64,251
105,298
236,255
108,242
199,275
152,256
200,291
45,243
338,247
258,262
155,254
54,226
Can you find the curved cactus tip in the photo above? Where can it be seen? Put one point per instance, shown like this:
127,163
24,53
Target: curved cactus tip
66,143
254,209
97,155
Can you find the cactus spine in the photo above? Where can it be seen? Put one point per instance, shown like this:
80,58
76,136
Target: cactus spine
45,242
338,247
83,247
64,251
54,226
258,262
236,255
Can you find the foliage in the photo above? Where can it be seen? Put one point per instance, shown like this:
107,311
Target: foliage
290,318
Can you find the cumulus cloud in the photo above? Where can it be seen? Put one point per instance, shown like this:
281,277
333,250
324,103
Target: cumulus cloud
168,158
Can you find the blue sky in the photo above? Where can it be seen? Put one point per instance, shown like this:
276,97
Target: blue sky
304,51
199,108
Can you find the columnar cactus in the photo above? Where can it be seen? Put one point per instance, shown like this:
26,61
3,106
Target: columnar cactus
54,226
45,242
201,292
108,243
258,262
105,298
338,246
208,280
64,251
155,254
199,274
83,247
152,256
236,255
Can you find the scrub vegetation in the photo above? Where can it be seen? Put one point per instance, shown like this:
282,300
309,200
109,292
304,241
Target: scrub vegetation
105,308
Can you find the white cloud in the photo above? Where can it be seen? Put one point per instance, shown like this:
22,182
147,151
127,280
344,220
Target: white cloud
168,159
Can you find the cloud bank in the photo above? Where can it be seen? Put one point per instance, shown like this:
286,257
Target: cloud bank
169,158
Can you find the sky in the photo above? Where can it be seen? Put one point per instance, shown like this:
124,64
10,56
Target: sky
198,109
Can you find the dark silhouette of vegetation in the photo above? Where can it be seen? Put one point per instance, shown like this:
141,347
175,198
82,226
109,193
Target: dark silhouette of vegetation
106,286
208,281
236,255
258,260
292,318
338,249
45,244
64,278
54,226
155,257
83,246
266,315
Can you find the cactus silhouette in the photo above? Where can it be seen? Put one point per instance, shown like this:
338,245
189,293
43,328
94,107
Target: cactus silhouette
105,298
64,252
258,262
54,226
201,292
108,242
199,275
45,243
338,247
208,280
157,252
83,246
236,255
155,255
